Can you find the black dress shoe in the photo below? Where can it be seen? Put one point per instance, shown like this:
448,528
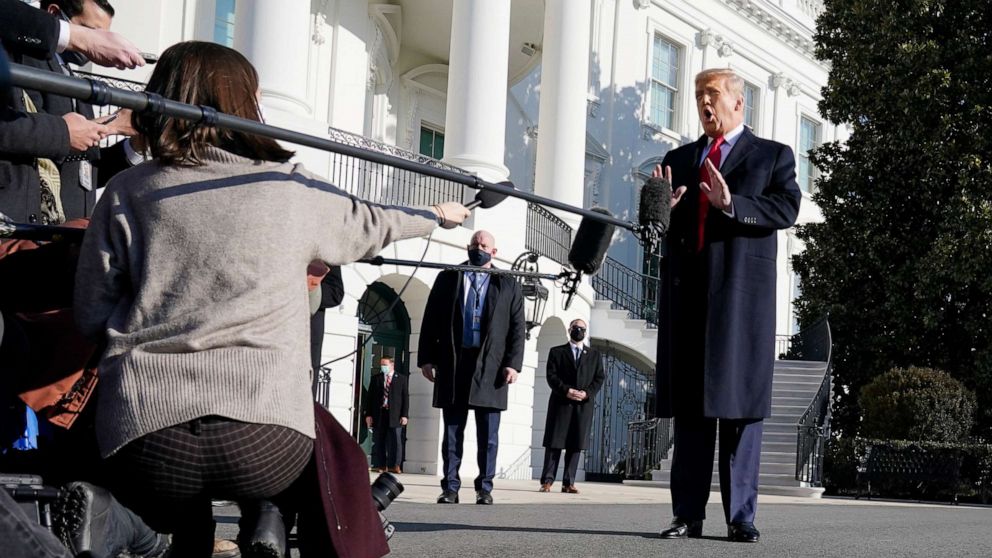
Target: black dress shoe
681,528
484,498
743,532
90,522
263,531
448,497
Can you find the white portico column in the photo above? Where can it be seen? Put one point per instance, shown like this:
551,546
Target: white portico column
475,116
561,126
275,37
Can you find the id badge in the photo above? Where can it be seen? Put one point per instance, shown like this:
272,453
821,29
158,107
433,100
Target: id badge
86,175
476,323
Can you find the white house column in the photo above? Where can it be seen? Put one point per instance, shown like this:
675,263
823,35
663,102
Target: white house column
275,36
475,118
561,127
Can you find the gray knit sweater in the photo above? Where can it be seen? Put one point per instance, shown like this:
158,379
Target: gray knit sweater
197,277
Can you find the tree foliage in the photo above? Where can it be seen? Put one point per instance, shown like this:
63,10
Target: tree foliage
916,404
903,259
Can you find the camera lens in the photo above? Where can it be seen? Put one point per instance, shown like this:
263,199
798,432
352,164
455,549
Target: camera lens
385,489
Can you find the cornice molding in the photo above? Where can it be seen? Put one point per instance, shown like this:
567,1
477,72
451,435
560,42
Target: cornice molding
778,24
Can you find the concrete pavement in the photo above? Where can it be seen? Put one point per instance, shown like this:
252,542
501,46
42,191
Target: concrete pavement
624,519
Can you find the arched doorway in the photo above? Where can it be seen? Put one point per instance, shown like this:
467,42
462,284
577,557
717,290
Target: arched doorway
383,317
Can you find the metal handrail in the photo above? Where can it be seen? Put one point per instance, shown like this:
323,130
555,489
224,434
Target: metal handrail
813,427
648,443
635,292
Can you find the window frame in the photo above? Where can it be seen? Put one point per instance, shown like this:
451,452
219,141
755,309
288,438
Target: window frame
802,154
676,89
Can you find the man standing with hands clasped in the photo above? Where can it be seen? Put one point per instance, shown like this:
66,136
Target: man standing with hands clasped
472,348
575,374
386,412
716,339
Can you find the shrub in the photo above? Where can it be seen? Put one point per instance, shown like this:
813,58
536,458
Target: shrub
917,404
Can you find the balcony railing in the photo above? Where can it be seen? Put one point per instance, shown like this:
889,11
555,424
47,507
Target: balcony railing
386,184
547,235
635,292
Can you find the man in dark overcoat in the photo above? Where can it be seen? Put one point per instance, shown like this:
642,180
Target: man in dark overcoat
716,337
472,347
387,411
575,373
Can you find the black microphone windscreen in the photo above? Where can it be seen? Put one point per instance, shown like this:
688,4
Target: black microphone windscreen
4,79
656,204
592,240
489,198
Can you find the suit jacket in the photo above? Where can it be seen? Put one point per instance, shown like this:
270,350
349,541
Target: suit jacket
724,368
503,336
331,294
25,136
399,399
568,422
27,30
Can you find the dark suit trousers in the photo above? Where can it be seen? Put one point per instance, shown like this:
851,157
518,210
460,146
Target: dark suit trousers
551,458
387,442
692,467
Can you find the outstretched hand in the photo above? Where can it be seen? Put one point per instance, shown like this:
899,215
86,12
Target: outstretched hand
667,174
716,191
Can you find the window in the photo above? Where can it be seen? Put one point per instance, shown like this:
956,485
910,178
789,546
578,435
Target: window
797,291
431,142
664,82
751,106
224,23
809,138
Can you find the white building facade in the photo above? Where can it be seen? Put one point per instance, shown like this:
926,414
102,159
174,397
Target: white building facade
575,100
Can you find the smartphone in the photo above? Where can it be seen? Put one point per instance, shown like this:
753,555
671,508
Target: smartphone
149,57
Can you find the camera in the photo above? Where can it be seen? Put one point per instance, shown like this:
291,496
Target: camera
385,489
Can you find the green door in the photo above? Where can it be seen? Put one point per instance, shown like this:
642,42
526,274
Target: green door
384,331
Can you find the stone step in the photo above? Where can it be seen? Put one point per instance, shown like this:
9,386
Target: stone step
783,400
806,394
801,364
779,436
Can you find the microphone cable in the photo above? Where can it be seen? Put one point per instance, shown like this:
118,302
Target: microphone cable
388,310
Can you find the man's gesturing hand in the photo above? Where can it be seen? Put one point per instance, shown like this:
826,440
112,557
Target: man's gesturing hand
677,192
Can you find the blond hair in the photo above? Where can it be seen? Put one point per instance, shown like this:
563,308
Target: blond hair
735,83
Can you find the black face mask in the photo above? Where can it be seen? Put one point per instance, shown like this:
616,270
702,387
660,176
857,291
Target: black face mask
478,258
77,58
577,334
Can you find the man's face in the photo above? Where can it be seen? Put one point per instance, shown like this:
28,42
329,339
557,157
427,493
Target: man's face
720,110
92,16
483,242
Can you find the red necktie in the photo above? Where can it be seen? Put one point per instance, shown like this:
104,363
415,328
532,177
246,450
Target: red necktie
704,176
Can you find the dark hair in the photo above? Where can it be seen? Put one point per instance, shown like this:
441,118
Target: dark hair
72,8
201,73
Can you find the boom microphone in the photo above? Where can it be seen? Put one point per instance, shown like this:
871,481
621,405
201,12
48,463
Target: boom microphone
487,198
655,212
592,240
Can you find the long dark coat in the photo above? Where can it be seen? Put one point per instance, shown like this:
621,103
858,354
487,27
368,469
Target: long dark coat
568,422
503,337
399,399
716,336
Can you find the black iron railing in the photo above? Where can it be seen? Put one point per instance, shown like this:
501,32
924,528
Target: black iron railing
386,184
628,395
648,443
813,428
635,292
547,235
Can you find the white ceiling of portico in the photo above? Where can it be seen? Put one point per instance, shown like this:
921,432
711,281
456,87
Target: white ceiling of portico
427,29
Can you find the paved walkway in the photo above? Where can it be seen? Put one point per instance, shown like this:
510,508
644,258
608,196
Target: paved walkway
624,519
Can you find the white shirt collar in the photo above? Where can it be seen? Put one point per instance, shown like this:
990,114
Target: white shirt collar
731,137
575,345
